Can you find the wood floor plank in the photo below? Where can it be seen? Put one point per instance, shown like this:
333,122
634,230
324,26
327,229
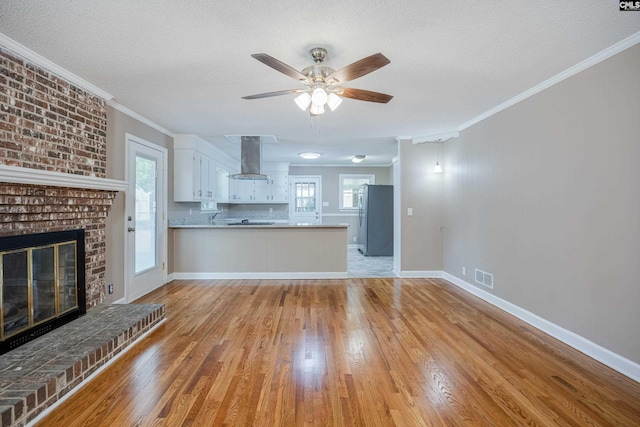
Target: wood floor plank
352,352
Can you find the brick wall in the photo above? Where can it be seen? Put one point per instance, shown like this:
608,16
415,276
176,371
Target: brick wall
48,123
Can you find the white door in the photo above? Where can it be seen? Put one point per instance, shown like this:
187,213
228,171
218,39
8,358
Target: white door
145,221
305,202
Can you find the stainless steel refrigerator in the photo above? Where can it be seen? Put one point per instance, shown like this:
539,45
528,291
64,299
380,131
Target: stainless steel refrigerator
375,220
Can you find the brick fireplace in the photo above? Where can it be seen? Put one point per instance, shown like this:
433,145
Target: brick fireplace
49,125
53,179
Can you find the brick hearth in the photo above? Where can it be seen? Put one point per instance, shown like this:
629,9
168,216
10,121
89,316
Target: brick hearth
36,375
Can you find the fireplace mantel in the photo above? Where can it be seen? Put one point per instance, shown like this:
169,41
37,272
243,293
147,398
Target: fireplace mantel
20,175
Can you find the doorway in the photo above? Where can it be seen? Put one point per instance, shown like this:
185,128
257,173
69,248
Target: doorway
145,222
305,206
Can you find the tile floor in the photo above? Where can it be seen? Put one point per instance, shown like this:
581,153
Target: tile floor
359,265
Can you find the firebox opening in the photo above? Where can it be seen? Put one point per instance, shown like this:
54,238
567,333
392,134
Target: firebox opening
42,284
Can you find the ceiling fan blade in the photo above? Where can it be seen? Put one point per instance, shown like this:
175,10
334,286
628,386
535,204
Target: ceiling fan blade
269,94
359,68
280,66
365,95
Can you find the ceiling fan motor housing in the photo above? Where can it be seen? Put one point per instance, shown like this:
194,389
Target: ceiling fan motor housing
318,54
317,73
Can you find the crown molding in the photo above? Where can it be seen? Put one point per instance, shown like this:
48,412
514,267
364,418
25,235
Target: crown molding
116,105
339,165
40,60
43,62
20,175
436,137
589,62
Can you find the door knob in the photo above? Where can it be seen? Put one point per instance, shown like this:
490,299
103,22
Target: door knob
130,229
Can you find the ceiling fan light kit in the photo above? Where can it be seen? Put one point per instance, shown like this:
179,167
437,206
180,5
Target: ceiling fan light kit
323,83
333,101
303,100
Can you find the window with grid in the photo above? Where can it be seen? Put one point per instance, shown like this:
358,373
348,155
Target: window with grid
349,186
305,197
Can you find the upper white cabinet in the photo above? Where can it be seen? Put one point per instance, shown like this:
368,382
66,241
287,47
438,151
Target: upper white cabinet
223,184
199,171
201,174
272,190
194,177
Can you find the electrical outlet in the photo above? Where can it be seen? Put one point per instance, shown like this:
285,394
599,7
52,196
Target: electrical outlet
464,271
110,290
409,211
354,238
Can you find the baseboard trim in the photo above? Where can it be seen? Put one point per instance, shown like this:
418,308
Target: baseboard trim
120,301
603,355
417,274
264,276
170,278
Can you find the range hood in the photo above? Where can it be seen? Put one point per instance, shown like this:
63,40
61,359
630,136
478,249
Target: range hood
250,154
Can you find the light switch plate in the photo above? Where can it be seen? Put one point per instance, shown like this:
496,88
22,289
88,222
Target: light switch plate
409,211
325,204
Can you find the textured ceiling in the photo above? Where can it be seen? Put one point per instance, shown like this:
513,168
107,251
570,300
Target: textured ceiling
186,64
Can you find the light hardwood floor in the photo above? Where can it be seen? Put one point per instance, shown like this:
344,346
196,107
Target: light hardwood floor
375,352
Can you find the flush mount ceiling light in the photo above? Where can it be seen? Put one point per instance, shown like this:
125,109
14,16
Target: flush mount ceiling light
323,83
310,156
358,158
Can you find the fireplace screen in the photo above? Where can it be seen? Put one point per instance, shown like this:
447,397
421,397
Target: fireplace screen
39,286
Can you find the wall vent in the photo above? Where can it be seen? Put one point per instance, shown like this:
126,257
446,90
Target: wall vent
484,278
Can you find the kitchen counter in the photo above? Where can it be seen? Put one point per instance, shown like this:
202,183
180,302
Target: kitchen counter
249,225
250,251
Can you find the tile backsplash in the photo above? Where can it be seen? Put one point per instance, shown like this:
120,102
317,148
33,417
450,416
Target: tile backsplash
191,216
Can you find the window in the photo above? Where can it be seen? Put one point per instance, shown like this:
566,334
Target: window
349,185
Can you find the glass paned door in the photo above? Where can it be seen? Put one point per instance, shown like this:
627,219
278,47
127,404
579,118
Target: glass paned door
67,289
145,221
305,207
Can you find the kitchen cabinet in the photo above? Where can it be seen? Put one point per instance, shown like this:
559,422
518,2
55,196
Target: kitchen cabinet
223,184
195,178
242,191
211,181
200,171
273,190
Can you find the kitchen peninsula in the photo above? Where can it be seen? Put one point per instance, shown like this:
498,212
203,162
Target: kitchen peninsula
276,251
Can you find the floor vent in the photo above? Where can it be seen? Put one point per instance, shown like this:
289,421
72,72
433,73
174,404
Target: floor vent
484,278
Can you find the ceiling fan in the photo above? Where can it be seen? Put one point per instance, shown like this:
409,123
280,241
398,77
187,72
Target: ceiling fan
324,83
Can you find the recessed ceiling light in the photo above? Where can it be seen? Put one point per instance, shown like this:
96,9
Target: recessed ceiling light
310,156
358,158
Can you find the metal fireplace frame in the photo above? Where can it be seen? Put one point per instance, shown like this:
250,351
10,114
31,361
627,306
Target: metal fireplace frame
10,243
